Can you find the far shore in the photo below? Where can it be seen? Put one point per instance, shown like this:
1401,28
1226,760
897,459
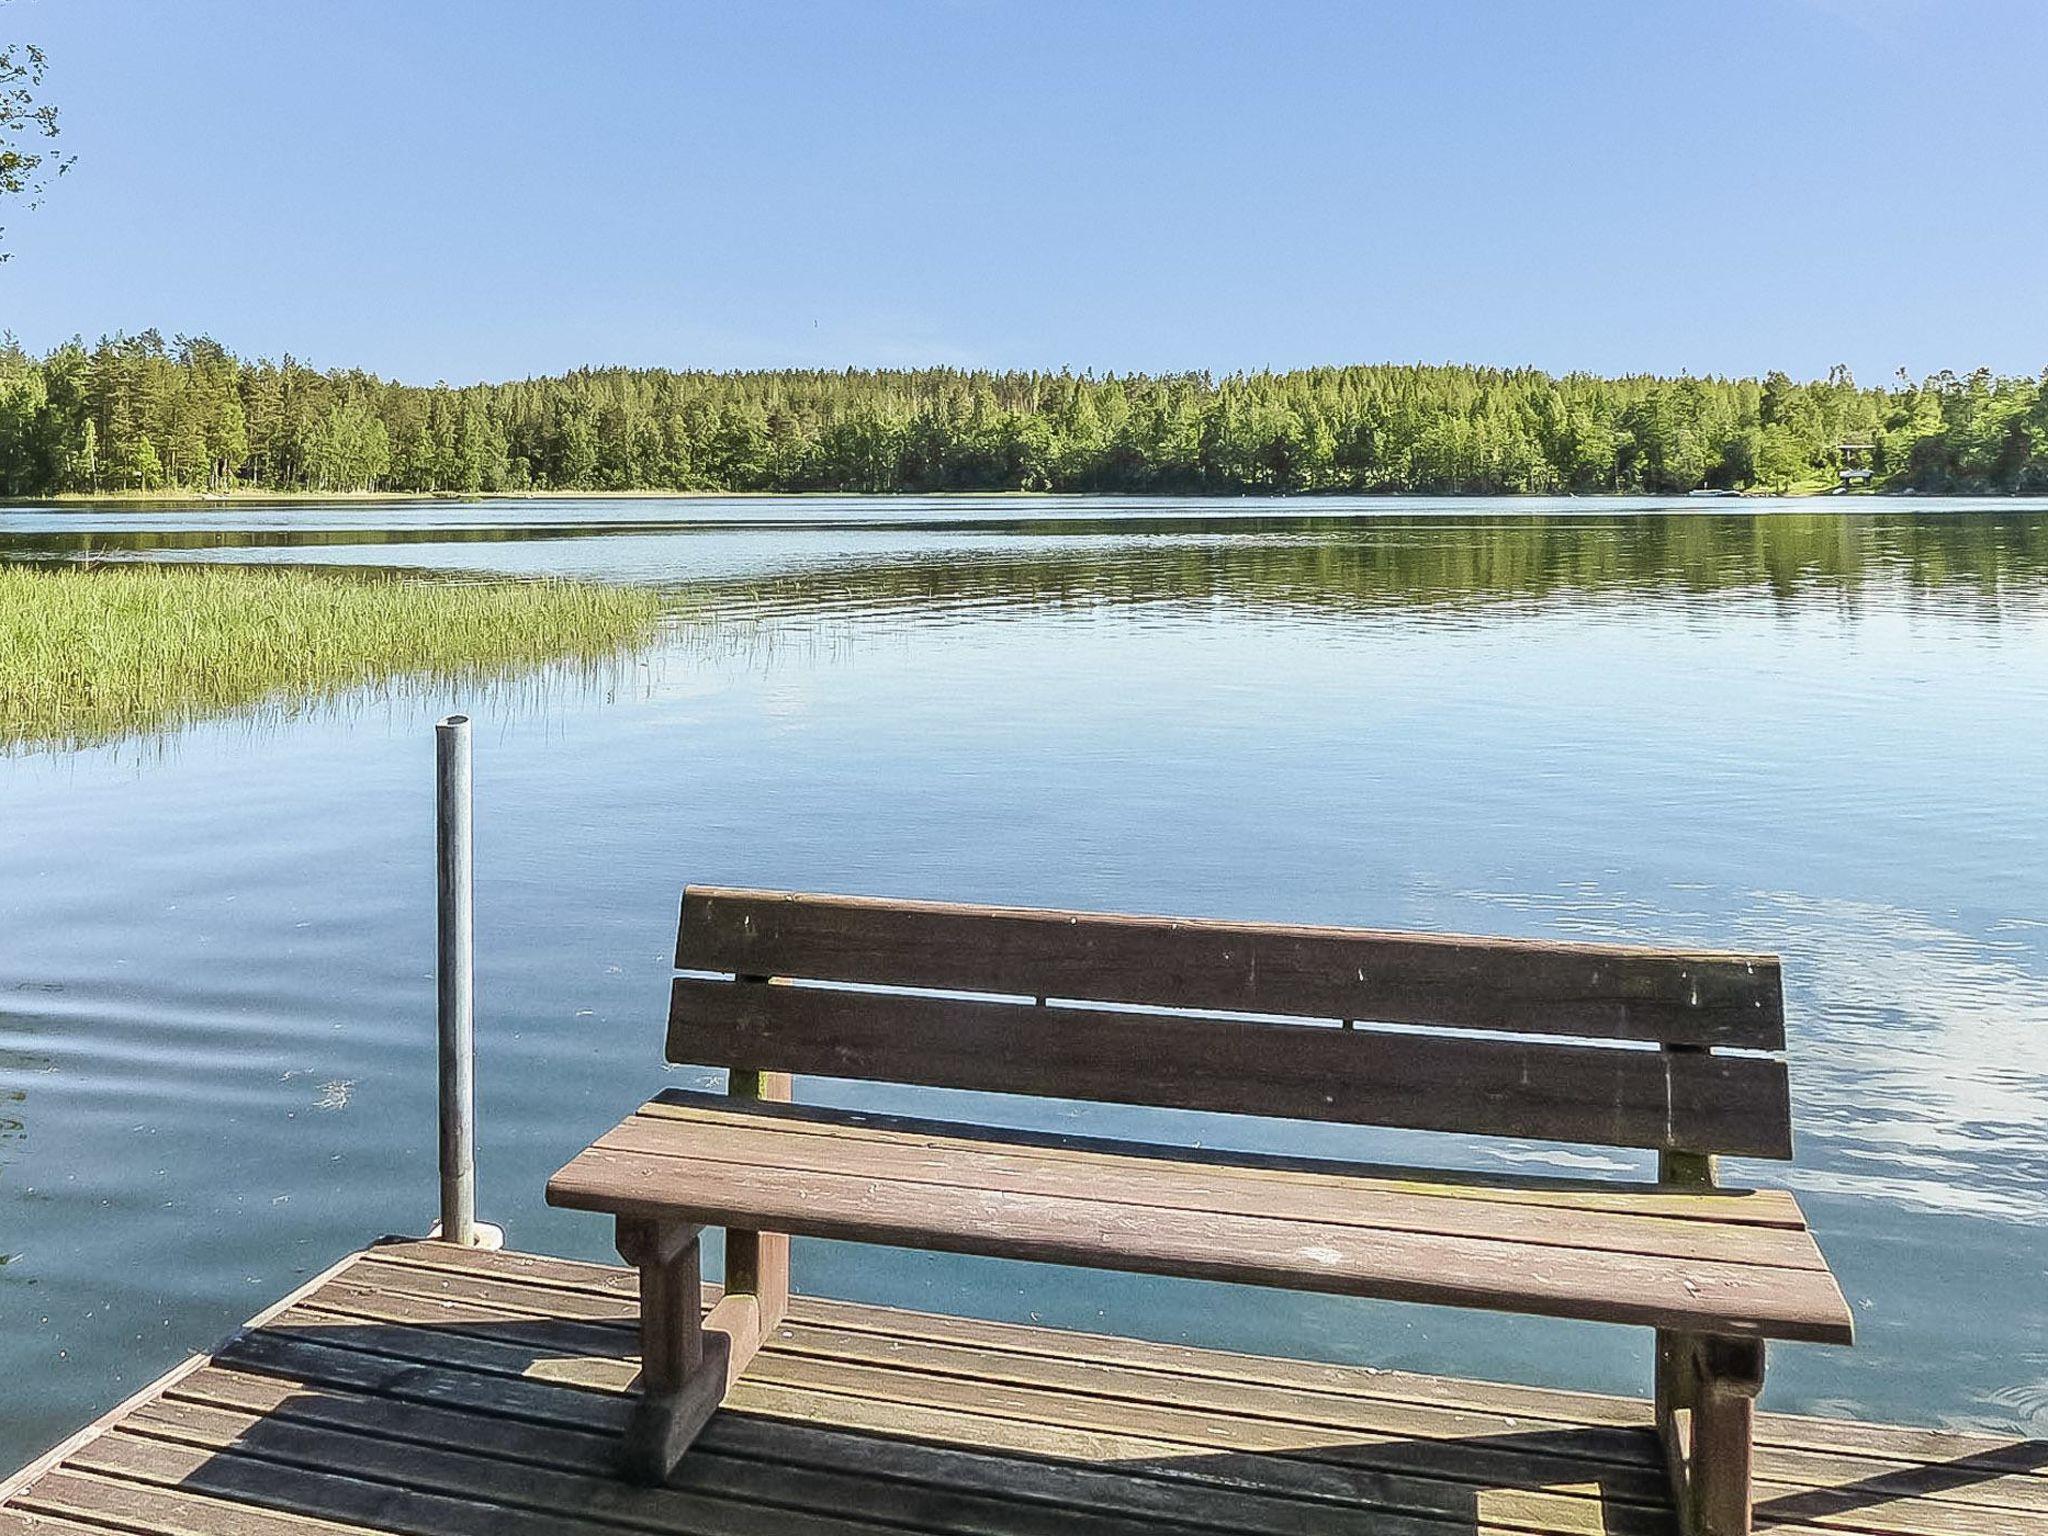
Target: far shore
83,499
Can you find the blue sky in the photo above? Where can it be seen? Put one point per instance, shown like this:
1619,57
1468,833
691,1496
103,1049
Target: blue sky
470,190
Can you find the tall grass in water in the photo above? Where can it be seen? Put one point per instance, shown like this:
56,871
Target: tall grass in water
90,654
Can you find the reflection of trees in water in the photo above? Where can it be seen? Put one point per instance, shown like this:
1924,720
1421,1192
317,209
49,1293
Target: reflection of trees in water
1183,550
1980,564
127,544
529,692
1975,562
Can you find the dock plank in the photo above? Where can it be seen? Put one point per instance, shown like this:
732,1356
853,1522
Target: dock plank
432,1391
1301,1392
1865,1448
1291,1461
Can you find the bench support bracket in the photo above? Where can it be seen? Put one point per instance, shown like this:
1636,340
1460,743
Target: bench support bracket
1706,1417
757,1263
688,1358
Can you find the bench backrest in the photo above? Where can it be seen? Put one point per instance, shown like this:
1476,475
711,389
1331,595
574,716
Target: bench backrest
1596,1044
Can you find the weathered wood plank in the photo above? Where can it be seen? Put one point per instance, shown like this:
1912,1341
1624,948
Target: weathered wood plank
1861,1449
1140,1359
1974,1469
1861,1482
430,1490
534,1270
481,1338
369,1394
1298,1461
1239,1396
1068,1469
162,1509
445,1392
1248,1396
994,1162
478,1307
19,1522
507,1339
771,1425
712,1482
1630,1475
717,1493
486,1336
1376,1468
424,1373
817,1471
1702,1295
1726,1203
1696,1101
1527,986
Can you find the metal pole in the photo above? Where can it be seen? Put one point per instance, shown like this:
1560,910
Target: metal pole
456,983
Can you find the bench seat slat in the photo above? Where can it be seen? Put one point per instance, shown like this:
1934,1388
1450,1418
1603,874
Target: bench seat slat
1693,1101
1066,1218
1616,992
993,1162
1719,1203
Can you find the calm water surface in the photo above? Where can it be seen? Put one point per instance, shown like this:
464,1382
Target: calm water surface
1783,727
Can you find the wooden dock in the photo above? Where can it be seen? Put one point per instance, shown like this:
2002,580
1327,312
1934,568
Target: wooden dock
436,1391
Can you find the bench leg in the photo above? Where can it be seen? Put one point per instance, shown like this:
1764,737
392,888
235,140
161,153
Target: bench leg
1724,1434
1714,1383
757,1263
682,1366
1677,1391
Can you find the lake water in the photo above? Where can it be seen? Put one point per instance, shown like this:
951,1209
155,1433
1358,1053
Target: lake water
1782,727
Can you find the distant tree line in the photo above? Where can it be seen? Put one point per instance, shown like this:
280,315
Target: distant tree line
140,413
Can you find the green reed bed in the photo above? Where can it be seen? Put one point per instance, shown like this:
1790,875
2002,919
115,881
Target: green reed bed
89,654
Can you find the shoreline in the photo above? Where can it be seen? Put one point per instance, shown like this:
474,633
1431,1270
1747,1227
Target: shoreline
78,500
140,647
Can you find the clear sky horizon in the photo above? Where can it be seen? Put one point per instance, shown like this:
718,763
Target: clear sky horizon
471,191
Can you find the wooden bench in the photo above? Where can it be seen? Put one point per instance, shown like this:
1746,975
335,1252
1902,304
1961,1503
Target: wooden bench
1604,1045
